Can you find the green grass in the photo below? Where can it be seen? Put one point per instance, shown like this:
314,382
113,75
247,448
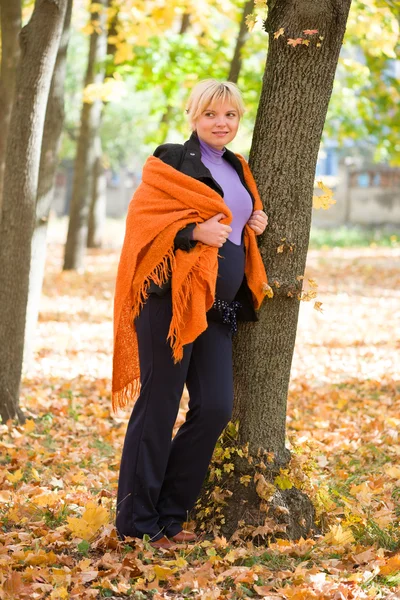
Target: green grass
353,237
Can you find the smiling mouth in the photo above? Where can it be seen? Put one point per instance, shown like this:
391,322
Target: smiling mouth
220,132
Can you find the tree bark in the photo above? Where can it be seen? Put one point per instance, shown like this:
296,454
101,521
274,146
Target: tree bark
10,15
296,89
98,207
243,34
39,44
85,158
47,171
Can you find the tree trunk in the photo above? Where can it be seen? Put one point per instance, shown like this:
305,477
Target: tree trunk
243,34
98,207
47,171
10,15
168,112
39,44
296,89
85,156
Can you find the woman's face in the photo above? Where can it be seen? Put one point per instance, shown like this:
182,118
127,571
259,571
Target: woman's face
218,124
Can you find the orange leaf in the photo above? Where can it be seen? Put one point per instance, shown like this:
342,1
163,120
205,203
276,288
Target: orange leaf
392,565
295,42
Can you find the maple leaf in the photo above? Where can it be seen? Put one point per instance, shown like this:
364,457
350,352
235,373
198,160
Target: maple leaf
15,477
392,565
251,21
263,488
29,425
324,200
245,480
294,42
283,482
318,307
305,42
92,519
307,296
278,33
310,31
337,536
267,290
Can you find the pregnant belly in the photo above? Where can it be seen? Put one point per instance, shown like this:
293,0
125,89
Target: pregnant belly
231,262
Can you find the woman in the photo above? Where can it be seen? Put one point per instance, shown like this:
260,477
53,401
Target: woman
189,267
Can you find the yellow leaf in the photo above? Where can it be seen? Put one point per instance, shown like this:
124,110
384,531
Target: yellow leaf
92,519
325,200
59,594
245,480
49,499
283,482
251,21
228,467
267,290
338,536
35,474
392,471
163,572
29,425
278,33
307,296
14,477
313,283
305,42
318,306
280,249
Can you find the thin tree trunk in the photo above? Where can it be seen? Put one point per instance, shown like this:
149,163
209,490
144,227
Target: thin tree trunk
85,157
98,207
39,44
243,34
168,112
48,166
296,89
10,15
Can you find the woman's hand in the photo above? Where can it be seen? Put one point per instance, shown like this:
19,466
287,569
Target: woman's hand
258,221
212,232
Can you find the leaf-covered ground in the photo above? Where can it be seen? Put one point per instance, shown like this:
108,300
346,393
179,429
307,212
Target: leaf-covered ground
58,472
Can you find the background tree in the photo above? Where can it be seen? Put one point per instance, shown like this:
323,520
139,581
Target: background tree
10,15
49,160
86,152
305,39
39,40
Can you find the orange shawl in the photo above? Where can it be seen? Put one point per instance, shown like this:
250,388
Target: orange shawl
165,202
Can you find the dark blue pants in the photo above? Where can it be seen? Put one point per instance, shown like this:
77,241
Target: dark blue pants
160,478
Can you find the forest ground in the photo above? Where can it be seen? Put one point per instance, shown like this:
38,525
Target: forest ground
59,471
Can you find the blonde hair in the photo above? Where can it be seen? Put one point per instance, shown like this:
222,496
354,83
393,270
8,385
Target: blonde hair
208,91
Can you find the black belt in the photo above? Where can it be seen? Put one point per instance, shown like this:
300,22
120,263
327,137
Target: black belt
228,312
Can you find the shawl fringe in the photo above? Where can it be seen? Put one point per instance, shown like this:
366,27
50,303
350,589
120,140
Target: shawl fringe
130,393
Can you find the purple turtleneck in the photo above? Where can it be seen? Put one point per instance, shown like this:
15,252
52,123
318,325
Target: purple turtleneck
236,196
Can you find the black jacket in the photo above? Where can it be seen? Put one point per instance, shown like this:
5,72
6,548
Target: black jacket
186,158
